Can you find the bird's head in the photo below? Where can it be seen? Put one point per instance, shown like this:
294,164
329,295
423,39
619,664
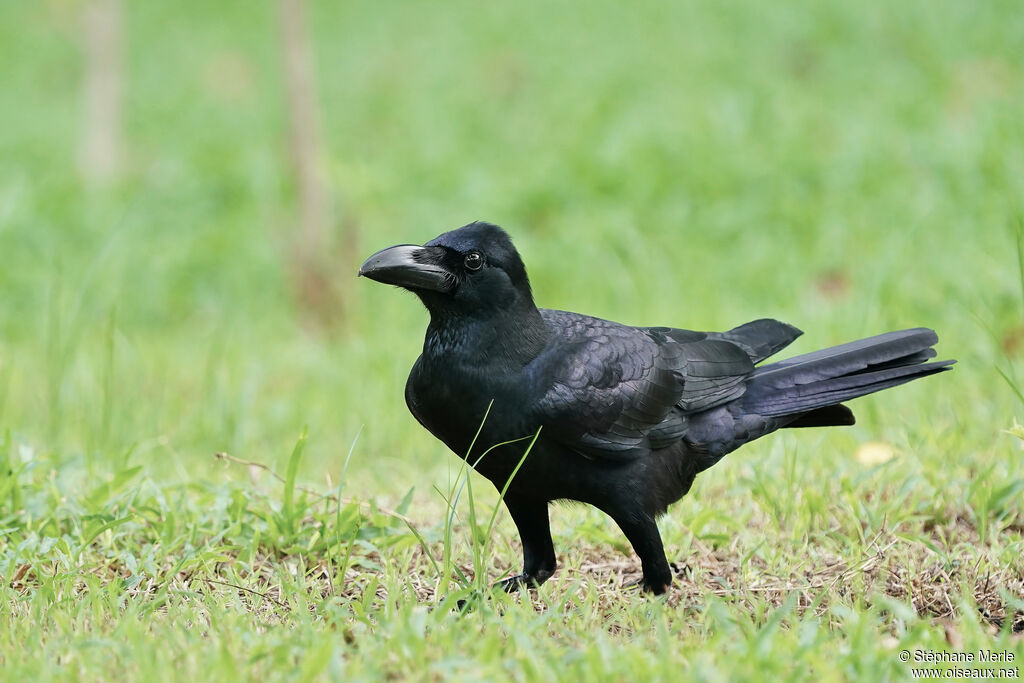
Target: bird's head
472,271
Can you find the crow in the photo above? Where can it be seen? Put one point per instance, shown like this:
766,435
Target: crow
622,418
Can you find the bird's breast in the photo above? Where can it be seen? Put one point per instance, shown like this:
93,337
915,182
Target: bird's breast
459,404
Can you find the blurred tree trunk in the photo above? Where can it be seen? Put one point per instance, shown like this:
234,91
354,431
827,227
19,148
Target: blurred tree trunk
100,154
310,265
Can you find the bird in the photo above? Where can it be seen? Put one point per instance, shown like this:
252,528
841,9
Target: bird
552,406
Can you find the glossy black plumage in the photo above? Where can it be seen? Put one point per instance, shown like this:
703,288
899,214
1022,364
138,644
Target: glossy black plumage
627,415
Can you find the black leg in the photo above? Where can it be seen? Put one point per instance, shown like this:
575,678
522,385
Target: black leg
643,534
531,518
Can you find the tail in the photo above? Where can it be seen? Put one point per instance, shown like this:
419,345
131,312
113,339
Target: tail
810,387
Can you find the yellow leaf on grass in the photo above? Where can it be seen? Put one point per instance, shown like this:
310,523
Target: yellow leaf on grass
875,453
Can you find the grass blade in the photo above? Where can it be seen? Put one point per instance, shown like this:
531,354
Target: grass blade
288,507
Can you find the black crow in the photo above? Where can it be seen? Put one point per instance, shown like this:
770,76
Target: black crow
627,416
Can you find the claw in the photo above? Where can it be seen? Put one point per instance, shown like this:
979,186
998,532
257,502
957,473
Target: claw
655,589
513,583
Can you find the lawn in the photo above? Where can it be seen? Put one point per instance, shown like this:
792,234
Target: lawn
200,480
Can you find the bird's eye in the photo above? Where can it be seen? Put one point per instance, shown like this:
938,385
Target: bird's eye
474,260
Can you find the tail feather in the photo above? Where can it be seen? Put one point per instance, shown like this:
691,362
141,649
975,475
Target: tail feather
830,376
911,359
801,398
761,338
829,416
846,358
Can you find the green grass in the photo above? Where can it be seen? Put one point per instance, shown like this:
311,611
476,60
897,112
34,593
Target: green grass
846,167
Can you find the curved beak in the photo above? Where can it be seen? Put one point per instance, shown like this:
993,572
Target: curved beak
409,266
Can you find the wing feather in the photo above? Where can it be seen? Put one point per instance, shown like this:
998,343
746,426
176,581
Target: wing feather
616,391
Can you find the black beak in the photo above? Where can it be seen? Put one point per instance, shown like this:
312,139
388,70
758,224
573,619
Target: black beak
409,266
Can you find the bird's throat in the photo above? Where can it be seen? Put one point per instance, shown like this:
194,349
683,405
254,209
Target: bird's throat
502,340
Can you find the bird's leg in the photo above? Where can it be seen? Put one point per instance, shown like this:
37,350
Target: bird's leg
643,534
531,518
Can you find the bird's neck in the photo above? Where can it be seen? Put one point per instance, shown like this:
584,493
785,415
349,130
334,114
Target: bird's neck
507,339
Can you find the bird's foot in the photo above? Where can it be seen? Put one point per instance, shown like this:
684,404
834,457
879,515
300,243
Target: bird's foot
509,585
659,588
513,583
682,569
654,588
656,581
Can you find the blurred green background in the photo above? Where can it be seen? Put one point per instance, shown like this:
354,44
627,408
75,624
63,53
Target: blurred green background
847,167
